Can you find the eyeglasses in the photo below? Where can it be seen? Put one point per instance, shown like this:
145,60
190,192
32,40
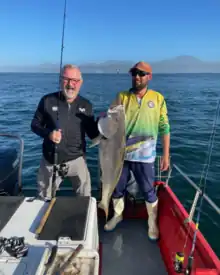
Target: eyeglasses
139,73
75,80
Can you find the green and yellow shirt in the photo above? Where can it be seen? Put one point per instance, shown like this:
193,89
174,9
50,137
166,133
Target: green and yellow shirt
145,119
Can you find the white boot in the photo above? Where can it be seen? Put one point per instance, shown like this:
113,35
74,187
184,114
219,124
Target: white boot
118,205
153,231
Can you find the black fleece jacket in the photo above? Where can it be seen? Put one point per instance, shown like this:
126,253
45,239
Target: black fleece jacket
75,120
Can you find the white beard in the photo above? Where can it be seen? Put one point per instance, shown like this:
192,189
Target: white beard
69,93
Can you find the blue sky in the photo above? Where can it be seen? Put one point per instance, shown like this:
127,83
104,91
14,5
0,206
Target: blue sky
108,30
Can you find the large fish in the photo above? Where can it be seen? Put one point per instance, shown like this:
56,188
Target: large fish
112,144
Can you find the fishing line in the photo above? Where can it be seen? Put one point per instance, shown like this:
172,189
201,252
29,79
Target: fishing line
179,257
53,191
212,138
210,142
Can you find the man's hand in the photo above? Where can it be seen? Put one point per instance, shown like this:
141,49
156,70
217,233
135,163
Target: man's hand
55,136
164,163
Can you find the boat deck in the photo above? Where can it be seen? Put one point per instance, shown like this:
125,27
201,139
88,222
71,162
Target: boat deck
8,206
127,250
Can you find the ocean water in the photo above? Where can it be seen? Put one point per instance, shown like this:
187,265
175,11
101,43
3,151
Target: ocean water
191,101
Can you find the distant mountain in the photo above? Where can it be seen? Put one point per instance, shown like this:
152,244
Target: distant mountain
107,67
185,64
179,64
42,68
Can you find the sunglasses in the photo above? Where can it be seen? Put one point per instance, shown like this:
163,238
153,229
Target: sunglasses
139,73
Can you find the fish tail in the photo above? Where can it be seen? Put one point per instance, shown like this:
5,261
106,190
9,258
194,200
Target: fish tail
104,206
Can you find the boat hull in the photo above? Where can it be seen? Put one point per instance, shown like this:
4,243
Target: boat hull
174,232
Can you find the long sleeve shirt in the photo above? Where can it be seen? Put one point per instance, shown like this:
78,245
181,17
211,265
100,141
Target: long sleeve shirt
146,118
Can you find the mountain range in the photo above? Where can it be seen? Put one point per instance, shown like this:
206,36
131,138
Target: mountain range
179,64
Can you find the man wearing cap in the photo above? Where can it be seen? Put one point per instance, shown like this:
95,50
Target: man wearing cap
146,116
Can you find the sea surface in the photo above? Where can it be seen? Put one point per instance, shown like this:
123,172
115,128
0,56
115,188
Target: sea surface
191,102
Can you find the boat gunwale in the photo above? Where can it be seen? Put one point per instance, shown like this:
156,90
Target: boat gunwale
200,237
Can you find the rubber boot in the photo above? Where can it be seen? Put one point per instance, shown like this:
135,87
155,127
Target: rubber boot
153,231
118,205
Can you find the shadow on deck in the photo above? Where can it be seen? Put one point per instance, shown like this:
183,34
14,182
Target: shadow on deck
127,250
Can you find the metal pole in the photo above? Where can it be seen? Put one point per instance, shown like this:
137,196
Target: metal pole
211,203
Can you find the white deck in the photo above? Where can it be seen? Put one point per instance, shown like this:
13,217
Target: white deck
24,223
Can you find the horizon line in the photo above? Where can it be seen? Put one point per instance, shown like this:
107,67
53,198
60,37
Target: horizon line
106,73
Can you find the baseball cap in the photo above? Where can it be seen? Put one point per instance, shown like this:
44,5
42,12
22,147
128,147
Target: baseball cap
142,66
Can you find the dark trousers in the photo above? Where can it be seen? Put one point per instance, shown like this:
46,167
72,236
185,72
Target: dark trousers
144,175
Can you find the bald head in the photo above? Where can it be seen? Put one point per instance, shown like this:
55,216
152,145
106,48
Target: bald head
71,81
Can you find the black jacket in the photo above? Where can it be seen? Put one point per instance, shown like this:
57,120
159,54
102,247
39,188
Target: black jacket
75,120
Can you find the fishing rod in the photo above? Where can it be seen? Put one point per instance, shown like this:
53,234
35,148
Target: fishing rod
179,259
55,169
212,138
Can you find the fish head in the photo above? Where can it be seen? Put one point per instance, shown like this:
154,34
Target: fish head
108,125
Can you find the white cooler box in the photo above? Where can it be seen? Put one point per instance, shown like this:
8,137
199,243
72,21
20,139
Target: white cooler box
72,221
90,239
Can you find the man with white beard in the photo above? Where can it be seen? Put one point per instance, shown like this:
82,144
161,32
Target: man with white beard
63,119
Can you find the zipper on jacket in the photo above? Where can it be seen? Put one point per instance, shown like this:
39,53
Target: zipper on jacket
67,125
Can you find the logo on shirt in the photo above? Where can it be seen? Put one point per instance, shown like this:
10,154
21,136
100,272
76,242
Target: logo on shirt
150,104
54,108
82,110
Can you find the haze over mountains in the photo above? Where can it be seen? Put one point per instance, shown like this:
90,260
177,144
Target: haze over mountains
179,64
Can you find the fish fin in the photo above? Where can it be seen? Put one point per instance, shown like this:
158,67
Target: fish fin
96,141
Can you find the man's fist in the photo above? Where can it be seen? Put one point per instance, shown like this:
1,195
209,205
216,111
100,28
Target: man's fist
55,136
